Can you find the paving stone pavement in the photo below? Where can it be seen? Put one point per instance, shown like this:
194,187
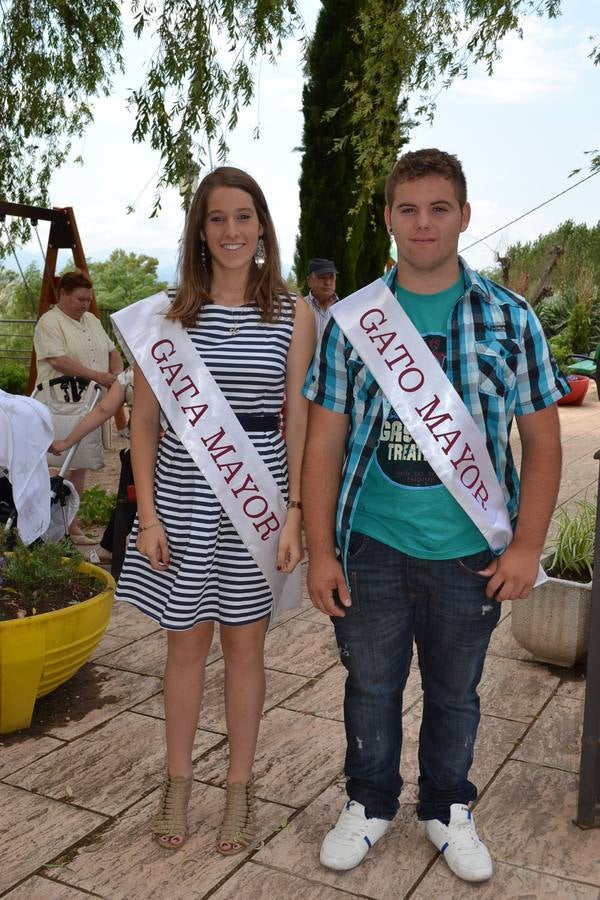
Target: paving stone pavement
75,798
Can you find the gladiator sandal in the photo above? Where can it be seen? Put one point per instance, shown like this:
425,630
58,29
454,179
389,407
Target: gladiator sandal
170,820
238,830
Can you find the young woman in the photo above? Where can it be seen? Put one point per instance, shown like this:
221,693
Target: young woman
186,565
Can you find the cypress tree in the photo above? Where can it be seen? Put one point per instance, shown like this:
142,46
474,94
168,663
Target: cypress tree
328,174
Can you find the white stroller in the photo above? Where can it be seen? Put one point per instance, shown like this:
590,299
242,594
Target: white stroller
39,505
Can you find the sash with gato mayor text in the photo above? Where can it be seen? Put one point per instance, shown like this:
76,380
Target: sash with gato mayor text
429,406
209,430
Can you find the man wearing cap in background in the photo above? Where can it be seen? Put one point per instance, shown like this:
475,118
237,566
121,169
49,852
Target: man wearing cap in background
322,295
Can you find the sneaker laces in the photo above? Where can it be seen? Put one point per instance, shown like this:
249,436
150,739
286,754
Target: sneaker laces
466,834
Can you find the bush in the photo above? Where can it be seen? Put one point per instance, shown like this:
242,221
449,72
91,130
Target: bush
96,505
13,377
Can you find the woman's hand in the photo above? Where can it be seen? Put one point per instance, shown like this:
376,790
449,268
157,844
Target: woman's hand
57,447
152,543
290,551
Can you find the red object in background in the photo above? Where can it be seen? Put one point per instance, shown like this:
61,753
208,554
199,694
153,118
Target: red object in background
579,385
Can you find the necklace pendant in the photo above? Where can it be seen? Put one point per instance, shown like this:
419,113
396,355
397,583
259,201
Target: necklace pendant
234,329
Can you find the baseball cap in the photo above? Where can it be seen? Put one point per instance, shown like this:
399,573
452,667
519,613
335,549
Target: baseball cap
318,266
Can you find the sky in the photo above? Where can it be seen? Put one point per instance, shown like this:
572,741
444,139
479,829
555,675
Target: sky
519,135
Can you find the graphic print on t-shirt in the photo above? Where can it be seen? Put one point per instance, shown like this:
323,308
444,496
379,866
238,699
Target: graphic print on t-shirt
398,456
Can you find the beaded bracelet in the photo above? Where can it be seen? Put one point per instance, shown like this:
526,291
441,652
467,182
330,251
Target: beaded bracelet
294,504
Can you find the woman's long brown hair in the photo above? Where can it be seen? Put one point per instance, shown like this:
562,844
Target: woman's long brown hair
265,286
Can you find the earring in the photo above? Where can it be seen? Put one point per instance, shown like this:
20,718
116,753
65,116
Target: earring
203,254
260,256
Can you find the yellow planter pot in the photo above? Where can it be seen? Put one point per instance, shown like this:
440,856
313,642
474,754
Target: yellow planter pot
39,653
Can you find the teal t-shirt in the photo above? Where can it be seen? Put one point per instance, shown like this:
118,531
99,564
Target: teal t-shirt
402,502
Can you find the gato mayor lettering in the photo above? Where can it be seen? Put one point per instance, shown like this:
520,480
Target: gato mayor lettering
399,360
221,449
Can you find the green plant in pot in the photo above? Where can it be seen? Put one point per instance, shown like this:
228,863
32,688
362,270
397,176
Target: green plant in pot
54,609
553,622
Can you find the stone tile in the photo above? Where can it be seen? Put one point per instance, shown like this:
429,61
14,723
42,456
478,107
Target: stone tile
255,882
497,688
35,830
105,694
573,686
108,769
390,870
212,717
503,643
324,696
129,624
144,871
148,655
529,822
300,647
17,751
297,757
37,888
555,737
316,616
108,644
507,883
496,739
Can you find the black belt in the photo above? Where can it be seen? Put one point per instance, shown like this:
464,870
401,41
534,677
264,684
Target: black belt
250,422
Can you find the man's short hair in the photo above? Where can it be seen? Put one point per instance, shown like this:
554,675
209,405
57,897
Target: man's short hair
421,163
318,266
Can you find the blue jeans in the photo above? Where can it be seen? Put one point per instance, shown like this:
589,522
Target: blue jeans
442,605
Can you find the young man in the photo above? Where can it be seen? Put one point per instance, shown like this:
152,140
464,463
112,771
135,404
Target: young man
321,290
417,491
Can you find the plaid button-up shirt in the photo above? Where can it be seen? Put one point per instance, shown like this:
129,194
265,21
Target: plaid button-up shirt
497,359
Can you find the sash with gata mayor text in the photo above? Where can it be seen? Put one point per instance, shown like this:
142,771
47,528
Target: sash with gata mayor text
429,406
209,430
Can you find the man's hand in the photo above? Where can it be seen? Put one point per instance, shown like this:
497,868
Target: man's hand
513,574
326,575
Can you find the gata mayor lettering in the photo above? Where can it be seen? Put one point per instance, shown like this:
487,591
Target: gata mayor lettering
242,485
411,378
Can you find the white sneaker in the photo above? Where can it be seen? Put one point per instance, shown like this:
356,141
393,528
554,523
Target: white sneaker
351,838
465,854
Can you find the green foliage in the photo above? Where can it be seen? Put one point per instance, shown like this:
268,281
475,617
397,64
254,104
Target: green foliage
578,265
578,330
13,377
357,240
124,278
96,505
55,56
573,547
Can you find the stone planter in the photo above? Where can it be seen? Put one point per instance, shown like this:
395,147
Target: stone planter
39,653
553,622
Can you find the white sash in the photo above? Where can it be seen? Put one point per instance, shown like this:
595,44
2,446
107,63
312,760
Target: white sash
213,436
428,405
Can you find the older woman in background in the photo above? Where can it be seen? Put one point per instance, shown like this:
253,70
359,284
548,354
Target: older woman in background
69,340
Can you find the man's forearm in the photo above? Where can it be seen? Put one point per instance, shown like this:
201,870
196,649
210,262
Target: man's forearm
321,476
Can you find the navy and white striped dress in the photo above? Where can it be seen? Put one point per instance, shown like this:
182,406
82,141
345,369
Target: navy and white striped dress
211,575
